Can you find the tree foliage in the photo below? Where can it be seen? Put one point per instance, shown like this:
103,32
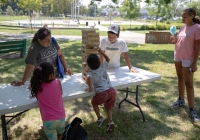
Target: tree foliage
30,4
131,9
164,1
9,11
196,6
5,1
156,8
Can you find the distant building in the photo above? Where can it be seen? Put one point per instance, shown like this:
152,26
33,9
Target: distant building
144,13
105,12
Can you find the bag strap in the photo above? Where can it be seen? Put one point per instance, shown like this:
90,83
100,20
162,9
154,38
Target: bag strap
54,41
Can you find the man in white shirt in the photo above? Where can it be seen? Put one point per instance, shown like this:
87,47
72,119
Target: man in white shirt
113,47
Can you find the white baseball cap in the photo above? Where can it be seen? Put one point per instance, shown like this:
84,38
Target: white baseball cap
114,28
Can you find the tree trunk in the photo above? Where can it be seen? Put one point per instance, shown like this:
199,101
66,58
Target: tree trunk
30,20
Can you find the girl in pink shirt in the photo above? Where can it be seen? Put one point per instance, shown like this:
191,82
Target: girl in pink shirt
187,47
48,91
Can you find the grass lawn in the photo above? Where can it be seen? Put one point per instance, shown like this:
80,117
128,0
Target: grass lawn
8,18
71,32
155,98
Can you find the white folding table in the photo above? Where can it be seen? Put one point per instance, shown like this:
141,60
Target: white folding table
17,99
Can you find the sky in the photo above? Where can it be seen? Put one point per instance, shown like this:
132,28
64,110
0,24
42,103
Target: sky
104,2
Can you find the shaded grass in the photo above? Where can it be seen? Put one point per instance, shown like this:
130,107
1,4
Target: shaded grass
155,98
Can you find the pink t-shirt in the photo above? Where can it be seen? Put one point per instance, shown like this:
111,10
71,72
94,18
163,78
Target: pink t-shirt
50,101
185,44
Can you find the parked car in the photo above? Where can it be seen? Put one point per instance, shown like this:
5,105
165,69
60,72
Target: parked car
146,18
174,18
160,19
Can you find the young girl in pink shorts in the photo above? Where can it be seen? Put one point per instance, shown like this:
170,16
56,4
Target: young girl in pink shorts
187,47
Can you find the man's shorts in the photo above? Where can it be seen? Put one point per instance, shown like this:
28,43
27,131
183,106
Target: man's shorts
107,97
54,128
185,62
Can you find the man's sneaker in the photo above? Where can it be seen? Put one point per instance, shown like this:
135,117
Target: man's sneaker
111,127
100,121
193,115
178,103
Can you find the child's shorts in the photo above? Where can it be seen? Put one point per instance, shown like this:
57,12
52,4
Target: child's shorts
107,97
185,62
54,128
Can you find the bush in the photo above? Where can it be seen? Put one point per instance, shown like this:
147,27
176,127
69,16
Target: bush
179,20
143,27
136,28
123,28
152,27
168,22
161,27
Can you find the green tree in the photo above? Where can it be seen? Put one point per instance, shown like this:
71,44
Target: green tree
164,1
9,11
4,1
83,10
196,6
131,9
21,13
54,8
30,5
16,12
92,9
158,8
176,7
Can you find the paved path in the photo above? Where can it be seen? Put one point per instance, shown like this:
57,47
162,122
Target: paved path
128,36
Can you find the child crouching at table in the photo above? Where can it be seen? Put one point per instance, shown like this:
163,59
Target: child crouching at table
105,93
48,91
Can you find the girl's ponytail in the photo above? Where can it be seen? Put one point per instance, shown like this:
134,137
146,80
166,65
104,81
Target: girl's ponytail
196,19
36,82
35,38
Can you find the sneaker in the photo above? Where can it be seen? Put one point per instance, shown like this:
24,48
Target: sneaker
111,127
193,115
100,121
114,124
178,103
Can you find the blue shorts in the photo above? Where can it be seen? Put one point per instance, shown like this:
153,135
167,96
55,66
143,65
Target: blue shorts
54,128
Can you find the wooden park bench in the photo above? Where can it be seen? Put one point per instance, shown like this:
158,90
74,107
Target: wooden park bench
14,46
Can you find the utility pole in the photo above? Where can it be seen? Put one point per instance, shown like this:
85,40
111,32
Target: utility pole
71,10
75,10
78,10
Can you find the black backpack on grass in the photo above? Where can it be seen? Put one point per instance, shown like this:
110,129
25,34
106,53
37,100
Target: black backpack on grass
74,131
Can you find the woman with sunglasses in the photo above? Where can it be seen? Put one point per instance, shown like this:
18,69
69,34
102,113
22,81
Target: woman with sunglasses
42,49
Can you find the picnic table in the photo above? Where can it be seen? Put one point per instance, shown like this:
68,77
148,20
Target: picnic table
17,99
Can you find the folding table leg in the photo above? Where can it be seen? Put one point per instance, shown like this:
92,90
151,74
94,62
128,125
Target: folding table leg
4,129
136,99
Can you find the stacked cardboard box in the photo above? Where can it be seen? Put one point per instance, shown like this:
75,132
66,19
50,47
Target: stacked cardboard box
90,44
